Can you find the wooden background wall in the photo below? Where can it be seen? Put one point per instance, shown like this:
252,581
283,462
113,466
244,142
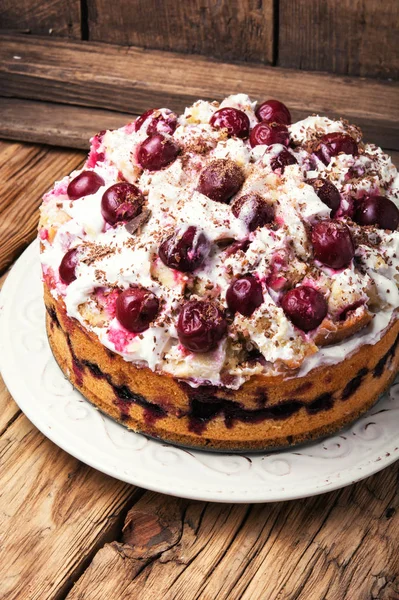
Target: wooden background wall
349,37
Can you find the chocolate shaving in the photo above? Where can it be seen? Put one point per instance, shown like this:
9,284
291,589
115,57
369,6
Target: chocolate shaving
138,221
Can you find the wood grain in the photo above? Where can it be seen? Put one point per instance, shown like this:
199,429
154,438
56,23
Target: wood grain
27,171
132,80
60,18
227,29
55,124
338,546
352,37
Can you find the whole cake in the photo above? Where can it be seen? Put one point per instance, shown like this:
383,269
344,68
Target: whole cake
226,279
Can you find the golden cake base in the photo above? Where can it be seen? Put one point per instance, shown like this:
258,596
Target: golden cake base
265,413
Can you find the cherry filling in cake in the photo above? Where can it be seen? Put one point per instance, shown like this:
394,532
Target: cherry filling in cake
226,278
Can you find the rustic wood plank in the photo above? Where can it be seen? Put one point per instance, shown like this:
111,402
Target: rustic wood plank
228,29
8,409
55,514
335,546
27,172
352,37
61,18
132,79
55,124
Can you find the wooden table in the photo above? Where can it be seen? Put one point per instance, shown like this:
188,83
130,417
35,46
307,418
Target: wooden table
67,531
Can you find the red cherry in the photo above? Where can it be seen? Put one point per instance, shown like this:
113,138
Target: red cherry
327,192
136,307
268,134
235,121
253,210
333,244
305,307
332,144
121,202
244,295
282,160
379,211
162,121
221,179
156,152
84,184
201,325
185,250
273,111
68,266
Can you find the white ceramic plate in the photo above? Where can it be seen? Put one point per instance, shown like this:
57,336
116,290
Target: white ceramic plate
61,413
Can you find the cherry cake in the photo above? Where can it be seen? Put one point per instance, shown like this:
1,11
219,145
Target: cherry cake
226,279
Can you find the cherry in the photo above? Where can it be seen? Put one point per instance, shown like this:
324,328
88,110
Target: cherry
185,250
121,202
305,307
156,152
201,325
162,121
331,144
327,192
68,266
244,295
332,244
253,210
136,307
221,179
282,160
379,211
84,184
268,134
273,111
235,121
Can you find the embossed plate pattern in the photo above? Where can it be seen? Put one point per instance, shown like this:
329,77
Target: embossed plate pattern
61,413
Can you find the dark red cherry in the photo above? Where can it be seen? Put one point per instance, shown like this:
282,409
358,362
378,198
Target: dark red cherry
68,266
162,121
253,210
327,192
273,111
221,179
244,295
157,152
282,160
333,244
185,250
136,307
305,307
268,134
201,325
121,202
379,211
332,144
85,184
235,121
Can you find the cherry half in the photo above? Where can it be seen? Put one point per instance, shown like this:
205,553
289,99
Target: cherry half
121,202
84,184
305,307
136,307
185,250
253,210
162,121
157,152
379,211
221,179
235,121
268,134
282,160
273,111
332,244
201,325
67,268
332,144
244,295
327,192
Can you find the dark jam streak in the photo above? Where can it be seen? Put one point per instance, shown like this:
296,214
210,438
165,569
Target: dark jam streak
380,366
354,384
323,402
53,315
76,364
